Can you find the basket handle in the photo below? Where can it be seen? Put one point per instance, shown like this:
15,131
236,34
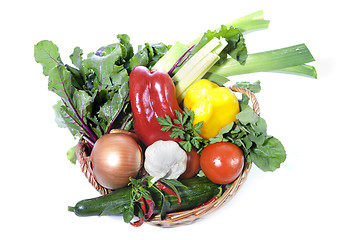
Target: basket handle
83,151
250,94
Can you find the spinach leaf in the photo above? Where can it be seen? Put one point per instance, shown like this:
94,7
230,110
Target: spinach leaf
269,155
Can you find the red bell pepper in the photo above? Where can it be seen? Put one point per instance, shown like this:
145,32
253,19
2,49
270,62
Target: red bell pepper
152,95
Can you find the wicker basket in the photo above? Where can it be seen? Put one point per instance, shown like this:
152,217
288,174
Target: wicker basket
177,218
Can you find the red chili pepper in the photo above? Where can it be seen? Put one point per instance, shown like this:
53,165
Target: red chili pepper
140,222
152,94
208,202
168,190
147,214
151,207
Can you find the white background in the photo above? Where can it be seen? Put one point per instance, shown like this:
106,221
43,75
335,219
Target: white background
315,193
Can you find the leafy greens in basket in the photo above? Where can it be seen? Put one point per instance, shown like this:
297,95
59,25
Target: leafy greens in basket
94,89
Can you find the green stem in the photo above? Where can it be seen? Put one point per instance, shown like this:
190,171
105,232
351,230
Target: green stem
302,70
273,60
250,23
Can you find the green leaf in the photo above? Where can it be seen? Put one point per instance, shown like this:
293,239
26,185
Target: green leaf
260,125
120,78
82,102
125,41
258,140
177,133
247,116
103,66
66,119
180,118
226,129
216,78
165,121
269,156
76,78
186,145
60,82
253,87
236,44
148,55
71,155
166,128
76,57
174,182
46,53
173,185
198,126
111,109
177,121
128,213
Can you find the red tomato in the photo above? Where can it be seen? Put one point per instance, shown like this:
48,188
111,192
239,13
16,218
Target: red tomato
222,162
192,165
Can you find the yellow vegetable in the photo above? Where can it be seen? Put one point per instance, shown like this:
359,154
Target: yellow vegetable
216,106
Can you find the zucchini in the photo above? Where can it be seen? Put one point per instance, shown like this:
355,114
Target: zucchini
198,191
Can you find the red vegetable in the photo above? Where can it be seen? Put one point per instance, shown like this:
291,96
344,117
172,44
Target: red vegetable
208,202
222,162
168,190
192,164
152,95
148,214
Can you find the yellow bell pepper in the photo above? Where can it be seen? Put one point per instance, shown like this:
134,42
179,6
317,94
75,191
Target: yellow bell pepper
216,106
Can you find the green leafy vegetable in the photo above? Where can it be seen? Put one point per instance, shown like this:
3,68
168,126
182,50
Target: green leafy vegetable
236,43
182,127
94,90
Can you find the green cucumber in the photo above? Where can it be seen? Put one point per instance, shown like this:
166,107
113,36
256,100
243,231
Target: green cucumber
198,190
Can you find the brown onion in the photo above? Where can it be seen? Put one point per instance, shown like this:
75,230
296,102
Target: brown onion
115,158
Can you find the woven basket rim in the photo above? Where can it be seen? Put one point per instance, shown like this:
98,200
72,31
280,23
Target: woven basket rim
174,219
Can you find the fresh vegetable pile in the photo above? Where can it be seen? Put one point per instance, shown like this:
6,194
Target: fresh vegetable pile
165,134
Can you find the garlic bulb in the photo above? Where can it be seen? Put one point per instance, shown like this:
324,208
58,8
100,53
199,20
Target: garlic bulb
165,159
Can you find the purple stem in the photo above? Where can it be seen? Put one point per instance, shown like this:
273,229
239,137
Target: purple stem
122,107
88,140
82,123
181,59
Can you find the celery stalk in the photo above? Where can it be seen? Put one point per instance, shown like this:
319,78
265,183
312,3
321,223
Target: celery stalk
170,58
198,65
199,70
266,61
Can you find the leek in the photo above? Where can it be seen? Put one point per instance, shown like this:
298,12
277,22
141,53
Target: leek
274,60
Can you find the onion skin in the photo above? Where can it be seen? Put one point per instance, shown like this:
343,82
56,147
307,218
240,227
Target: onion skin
115,158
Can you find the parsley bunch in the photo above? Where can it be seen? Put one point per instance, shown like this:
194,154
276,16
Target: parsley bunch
182,127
